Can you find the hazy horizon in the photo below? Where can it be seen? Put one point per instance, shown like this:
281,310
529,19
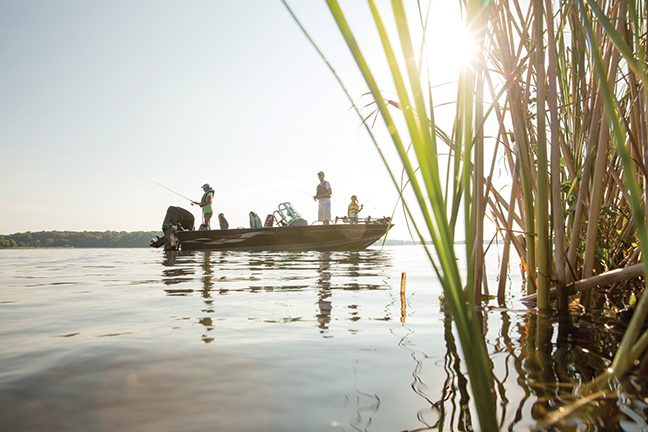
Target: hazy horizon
97,95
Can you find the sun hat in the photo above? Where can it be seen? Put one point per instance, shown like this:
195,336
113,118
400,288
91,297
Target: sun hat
206,185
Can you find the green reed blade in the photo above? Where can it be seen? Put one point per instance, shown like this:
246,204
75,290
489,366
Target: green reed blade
623,359
637,66
436,220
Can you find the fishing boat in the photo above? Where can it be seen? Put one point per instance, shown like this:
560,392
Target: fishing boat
283,230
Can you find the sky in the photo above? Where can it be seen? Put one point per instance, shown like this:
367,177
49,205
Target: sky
110,112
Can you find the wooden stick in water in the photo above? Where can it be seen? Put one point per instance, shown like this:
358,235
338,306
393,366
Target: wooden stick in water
615,275
402,296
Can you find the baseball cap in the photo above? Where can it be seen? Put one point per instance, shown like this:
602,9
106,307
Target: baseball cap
206,185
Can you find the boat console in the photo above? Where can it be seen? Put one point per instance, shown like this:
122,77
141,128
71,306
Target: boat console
287,215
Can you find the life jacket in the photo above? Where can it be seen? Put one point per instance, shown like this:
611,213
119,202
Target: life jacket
204,197
322,188
207,208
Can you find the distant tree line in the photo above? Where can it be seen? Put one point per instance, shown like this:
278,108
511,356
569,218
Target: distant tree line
73,239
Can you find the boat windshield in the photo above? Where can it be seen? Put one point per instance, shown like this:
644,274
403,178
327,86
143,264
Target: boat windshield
287,214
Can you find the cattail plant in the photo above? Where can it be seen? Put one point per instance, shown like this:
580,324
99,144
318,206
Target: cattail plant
557,94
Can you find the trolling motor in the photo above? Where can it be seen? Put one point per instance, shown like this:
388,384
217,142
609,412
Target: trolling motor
176,219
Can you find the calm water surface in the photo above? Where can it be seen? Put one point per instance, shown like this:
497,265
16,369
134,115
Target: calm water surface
143,340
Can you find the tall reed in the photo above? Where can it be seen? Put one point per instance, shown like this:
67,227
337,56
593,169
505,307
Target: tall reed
558,90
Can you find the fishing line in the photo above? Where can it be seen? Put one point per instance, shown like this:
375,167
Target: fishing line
304,192
161,185
367,200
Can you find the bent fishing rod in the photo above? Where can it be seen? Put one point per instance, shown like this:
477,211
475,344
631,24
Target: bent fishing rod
161,185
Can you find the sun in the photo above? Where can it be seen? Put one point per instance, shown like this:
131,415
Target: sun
465,47
450,47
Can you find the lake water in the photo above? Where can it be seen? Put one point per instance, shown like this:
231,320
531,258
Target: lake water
143,340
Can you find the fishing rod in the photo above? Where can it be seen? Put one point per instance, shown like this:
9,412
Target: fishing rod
161,185
304,192
367,200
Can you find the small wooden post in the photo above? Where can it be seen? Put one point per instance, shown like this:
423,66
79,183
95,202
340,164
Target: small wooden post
402,297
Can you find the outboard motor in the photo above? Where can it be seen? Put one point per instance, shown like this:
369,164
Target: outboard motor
179,216
176,219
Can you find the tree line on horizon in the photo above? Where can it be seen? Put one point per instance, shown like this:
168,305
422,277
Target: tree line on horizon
73,239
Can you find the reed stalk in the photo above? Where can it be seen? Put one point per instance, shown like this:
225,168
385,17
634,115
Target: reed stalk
542,179
575,207
625,356
421,130
556,169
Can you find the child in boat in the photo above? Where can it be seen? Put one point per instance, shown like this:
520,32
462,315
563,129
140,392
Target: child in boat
354,209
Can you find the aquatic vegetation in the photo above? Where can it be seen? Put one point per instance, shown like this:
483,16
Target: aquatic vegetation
554,95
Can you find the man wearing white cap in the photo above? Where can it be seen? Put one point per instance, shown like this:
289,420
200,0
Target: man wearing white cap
324,196
206,204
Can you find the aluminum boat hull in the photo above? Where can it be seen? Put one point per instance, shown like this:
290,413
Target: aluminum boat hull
289,238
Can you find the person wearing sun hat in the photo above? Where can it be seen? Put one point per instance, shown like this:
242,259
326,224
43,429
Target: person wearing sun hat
324,196
206,204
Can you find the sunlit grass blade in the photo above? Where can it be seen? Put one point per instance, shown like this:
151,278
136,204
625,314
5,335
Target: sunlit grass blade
571,213
623,359
436,220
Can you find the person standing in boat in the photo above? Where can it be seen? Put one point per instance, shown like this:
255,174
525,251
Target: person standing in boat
354,208
324,197
206,204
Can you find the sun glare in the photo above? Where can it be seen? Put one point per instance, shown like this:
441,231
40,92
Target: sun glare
465,47
451,48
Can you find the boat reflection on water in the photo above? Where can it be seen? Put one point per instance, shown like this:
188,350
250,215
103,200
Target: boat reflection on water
212,273
335,296
324,300
137,340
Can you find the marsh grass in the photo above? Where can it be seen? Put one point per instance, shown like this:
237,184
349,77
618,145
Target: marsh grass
555,97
